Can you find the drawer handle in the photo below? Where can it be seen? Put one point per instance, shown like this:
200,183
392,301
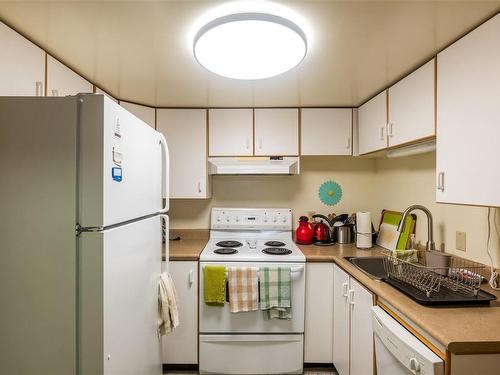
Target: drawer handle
440,181
38,88
348,143
381,133
351,296
190,278
345,286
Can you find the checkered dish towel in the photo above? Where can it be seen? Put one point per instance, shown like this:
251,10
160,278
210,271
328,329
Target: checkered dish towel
275,292
243,285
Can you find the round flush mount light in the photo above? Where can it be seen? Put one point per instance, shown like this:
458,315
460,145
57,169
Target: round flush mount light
250,45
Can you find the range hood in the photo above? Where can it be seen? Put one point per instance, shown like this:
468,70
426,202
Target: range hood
257,165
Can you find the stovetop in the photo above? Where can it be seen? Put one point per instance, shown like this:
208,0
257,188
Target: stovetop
251,235
251,250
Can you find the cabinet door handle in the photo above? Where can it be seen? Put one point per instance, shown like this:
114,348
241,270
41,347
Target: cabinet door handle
440,181
55,92
381,133
389,129
190,278
345,286
199,187
260,143
247,143
38,88
348,143
351,296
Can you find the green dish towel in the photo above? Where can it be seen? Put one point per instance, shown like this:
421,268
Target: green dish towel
215,285
275,292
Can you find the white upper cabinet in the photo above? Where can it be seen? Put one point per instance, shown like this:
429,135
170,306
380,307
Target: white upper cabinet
277,132
411,107
101,91
186,133
146,114
22,66
468,118
62,81
230,132
326,131
372,123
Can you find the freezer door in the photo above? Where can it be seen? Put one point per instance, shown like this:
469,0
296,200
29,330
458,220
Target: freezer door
118,299
120,164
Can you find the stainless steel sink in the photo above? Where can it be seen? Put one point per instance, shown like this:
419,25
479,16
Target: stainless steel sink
373,267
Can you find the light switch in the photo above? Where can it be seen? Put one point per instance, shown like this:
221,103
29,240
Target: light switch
461,241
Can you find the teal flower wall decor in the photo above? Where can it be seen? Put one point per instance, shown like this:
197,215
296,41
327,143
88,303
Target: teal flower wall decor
330,193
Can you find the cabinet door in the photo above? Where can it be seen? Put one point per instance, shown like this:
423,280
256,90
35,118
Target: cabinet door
146,114
186,133
277,132
318,334
468,123
326,131
230,132
22,66
361,357
372,123
181,346
62,81
411,107
340,321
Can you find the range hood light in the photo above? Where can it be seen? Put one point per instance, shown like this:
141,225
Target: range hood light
250,46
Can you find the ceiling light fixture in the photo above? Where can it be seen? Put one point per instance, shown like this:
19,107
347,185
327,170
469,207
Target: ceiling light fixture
250,45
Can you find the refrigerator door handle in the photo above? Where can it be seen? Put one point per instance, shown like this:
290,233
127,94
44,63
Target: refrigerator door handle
165,171
167,247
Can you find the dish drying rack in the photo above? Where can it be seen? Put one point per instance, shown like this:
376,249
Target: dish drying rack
462,276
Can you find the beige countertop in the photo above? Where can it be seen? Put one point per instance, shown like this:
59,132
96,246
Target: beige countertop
457,329
189,246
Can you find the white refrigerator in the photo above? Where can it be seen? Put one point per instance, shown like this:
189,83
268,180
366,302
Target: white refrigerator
83,197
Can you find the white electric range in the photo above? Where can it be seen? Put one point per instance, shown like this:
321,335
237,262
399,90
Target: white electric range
246,343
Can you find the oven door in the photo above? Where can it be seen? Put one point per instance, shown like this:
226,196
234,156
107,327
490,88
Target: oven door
218,319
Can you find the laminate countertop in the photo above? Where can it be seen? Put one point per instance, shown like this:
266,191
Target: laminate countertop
460,330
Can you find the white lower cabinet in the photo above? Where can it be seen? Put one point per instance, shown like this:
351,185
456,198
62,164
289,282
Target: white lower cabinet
181,346
352,328
318,340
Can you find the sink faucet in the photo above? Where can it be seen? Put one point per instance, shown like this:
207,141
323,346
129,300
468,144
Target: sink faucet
430,233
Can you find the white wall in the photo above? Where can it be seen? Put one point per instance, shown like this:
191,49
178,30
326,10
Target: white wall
300,193
411,180
368,184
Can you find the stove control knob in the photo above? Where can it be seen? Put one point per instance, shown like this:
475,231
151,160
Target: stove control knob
218,218
283,219
228,219
237,219
265,219
275,219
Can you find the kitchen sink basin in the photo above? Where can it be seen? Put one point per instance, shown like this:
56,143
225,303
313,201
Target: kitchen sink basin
373,267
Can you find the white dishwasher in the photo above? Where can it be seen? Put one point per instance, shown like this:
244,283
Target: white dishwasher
397,351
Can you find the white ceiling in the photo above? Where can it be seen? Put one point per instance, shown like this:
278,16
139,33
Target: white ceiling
139,51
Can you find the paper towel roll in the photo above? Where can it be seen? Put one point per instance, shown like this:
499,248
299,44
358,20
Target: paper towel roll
363,230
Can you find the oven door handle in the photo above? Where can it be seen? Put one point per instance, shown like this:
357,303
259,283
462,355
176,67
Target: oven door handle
297,269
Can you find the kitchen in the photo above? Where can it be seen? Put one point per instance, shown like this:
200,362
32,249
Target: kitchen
378,115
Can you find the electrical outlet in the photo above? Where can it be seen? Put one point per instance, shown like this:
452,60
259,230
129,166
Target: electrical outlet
461,242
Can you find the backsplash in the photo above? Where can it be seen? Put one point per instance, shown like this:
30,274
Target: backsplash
412,180
300,193
368,185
